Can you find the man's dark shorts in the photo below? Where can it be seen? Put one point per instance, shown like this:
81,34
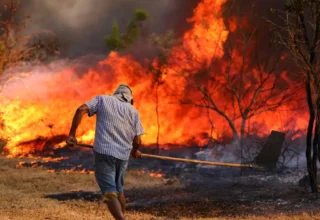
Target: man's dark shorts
109,172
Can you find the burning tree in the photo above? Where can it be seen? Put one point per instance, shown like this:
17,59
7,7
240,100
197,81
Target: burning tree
16,46
299,32
12,43
238,82
159,67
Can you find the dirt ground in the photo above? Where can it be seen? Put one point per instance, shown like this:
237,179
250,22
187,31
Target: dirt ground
35,193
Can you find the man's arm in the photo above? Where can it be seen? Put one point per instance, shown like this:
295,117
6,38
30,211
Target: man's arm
83,109
137,139
135,153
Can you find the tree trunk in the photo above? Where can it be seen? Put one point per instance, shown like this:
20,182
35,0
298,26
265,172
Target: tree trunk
157,113
242,131
310,164
315,156
316,142
317,129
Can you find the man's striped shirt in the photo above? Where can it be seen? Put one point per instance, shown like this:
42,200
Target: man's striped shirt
117,124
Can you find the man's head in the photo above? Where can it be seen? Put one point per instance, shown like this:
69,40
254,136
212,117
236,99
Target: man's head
124,94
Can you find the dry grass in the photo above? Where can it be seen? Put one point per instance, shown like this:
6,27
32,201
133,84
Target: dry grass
23,191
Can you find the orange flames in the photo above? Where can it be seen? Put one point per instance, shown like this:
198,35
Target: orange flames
40,163
156,174
152,173
42,104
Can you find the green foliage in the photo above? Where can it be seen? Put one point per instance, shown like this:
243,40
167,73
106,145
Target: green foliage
120,41
114,40
141,15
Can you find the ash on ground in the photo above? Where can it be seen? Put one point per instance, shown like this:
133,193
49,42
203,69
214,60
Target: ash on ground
212,191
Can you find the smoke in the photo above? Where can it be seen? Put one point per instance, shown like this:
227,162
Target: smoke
32,83
292,155
256,12
81,24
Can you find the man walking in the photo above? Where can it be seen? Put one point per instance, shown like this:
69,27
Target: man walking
117,136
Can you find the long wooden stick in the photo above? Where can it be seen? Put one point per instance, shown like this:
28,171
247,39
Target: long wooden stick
189,160
198,161
84,145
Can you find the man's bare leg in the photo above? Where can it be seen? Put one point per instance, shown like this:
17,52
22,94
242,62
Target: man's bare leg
115,207
122,201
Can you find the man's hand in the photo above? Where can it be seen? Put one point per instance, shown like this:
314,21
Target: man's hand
135,146
71,140
83,109
136,154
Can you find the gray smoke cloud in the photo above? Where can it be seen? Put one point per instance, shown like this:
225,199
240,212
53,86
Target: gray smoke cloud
82,24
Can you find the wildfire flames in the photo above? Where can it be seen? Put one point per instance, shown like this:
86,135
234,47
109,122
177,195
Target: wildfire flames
155,174
40,105
41,162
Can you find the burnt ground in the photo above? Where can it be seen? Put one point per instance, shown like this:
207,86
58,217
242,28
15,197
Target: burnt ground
226,196
207,202
195,191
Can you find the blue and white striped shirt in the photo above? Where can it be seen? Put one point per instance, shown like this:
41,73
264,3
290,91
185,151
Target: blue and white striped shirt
117,124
